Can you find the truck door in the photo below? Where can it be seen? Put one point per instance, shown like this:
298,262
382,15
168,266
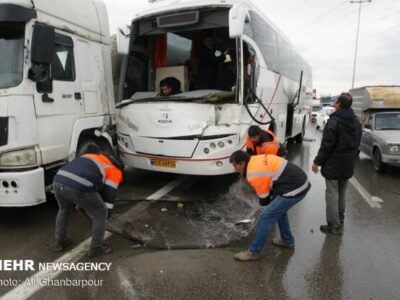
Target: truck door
58,102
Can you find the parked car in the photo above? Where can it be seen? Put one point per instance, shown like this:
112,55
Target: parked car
323,116
381,138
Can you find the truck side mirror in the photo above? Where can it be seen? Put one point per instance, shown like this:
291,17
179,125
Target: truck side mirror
42,52
123,38
42,44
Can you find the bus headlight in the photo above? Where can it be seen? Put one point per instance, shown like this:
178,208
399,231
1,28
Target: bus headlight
213,146
221,144
25,157
206,150
393,149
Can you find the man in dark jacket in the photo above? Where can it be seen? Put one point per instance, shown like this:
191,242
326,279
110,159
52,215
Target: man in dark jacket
336,156
90,181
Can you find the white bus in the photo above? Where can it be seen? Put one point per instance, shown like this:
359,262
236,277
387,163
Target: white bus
56,92
262,81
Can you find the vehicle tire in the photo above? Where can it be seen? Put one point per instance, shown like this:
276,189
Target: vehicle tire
300,137
379,166
101,142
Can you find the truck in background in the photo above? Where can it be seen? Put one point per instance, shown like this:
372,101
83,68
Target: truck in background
56,92
196,131
378,108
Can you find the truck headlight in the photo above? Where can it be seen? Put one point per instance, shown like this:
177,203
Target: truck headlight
24,157
393,149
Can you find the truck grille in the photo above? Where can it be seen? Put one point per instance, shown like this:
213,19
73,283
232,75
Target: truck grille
3,131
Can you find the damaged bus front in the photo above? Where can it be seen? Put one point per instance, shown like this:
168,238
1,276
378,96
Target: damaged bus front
224,85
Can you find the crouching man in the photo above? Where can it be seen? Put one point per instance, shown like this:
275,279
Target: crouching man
279,185
90,181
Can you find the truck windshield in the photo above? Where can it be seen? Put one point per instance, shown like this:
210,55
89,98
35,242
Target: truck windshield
12,53
387,121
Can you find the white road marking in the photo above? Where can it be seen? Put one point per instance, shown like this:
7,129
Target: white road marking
24,291
167,188
373,201
126,285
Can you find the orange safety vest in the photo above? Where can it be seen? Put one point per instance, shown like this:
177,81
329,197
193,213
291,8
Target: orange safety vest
112,176
271,147
262,171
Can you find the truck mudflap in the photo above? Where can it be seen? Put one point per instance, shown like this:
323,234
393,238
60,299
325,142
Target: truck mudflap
18,189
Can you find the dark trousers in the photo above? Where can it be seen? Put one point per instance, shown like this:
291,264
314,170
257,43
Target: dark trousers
91,203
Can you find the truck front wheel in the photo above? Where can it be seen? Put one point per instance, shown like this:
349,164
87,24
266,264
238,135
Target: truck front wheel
102,143
379,166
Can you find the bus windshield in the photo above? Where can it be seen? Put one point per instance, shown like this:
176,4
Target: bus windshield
196,62
12,53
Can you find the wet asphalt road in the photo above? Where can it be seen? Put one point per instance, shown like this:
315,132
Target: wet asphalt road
362,264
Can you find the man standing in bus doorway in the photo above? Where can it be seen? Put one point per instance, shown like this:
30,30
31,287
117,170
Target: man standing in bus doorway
279,185
261,141
90,181
337,156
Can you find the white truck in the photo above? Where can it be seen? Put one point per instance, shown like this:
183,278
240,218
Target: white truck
56,91
378,108
264,81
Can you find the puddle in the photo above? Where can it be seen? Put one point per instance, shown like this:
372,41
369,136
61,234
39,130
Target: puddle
205,223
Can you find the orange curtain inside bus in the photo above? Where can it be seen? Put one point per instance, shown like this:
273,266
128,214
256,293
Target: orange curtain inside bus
160,51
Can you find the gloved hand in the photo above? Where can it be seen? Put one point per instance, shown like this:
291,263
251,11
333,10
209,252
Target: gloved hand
267,200
109,213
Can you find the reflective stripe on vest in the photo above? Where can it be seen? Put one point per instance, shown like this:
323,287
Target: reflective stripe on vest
75,178
271,147
262,171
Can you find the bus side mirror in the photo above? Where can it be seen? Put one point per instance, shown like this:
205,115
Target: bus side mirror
123,37
42,51
237,18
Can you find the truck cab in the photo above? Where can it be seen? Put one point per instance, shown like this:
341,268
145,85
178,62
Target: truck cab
56,91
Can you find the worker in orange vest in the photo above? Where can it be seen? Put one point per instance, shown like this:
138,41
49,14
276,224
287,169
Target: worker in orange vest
279,185
91,182
261,141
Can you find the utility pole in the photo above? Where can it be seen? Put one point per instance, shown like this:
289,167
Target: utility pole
360,2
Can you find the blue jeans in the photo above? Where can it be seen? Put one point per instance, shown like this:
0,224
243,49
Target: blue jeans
274,212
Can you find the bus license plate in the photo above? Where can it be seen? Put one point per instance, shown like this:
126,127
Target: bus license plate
163,163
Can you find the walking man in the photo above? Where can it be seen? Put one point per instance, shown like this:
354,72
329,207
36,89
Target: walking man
279,184
336,156
90,181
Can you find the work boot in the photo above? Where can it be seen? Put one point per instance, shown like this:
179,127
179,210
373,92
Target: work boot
246,256
62,245
106,248
279,242
330,229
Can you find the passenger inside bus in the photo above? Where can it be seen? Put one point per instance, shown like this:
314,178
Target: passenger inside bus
170,86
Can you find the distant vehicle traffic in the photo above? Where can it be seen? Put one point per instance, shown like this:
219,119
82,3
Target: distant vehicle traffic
316,107
323,116
379,110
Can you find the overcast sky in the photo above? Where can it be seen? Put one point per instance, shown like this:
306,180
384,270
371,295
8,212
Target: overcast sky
324,32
